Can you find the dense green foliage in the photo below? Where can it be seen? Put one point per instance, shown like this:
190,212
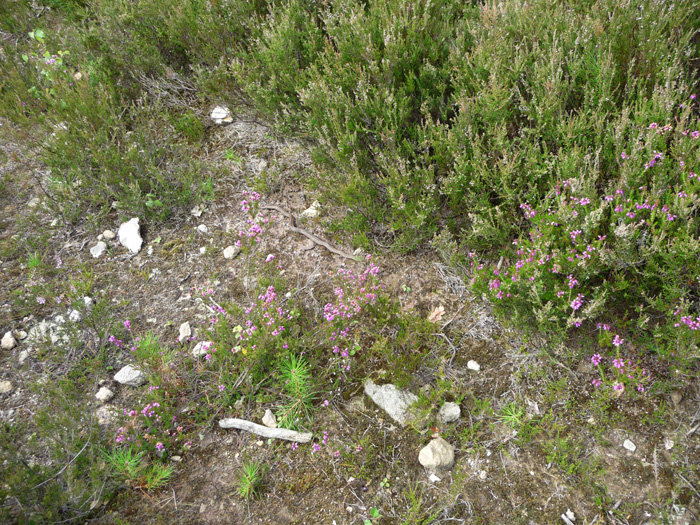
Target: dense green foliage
555,139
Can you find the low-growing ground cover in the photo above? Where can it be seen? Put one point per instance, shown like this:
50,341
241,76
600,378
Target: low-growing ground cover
535,163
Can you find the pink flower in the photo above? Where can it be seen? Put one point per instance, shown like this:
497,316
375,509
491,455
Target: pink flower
595,359
617,340
576,303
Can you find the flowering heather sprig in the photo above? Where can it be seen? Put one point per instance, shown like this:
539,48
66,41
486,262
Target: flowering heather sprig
151,426
623,373
529,212
578,302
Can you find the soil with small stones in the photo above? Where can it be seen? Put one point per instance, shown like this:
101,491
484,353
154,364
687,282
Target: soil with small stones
498,477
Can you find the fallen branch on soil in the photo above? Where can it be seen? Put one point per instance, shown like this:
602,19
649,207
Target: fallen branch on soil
308,235
275,433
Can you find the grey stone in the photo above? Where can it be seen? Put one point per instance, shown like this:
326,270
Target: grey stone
203,228
23,355
98,250
231,251
130,236
269,419
8,342
5,387
104,394
629,445
449,412
201,349
185,332
437,455
130,376
473,365
109,235
22,335
392,400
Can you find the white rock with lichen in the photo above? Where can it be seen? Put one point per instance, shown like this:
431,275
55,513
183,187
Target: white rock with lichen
130,236
231,251
449,412
629,445
8,341
104,394
437,455
473,365
201,349
392,400
185,331
221,116
98,250
312,212
269,419
108,235
5,387
130,376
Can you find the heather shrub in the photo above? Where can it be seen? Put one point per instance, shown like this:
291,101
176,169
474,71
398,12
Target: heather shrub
555,141
364,80
99,152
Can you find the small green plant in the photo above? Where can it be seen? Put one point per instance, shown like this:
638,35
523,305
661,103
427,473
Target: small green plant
33,261
482,407
384,483
512,415
250,480
155,356
229,154
190,127
135,470
297,379
374,513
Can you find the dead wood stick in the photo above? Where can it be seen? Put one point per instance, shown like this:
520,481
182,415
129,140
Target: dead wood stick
275,433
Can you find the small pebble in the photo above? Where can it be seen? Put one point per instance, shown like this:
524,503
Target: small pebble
629,445
473,365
